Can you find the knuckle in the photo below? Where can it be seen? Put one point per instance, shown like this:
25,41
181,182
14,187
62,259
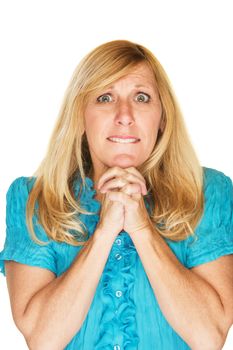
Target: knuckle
135,205
122,180
129,176
125,181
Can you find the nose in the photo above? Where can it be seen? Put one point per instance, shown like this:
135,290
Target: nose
124,113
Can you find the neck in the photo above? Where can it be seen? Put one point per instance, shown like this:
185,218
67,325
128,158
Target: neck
95,175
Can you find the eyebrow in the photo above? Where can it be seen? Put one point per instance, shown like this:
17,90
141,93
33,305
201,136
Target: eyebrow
136,86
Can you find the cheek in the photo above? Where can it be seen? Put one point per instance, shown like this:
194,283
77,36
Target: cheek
95,117
150,127
88,118
151,141
91,122
96,130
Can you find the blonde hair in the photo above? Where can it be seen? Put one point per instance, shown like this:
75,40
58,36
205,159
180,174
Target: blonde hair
173,174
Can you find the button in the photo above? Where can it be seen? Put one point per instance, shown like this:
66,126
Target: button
118,256
117,347
118,241
118,293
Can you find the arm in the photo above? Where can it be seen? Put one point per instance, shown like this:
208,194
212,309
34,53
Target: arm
189,303
41,319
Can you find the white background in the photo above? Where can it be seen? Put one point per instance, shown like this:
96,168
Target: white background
43,41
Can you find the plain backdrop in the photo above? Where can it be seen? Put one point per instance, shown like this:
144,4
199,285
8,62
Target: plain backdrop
43,41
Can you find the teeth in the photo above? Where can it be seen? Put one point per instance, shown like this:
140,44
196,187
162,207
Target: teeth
115,139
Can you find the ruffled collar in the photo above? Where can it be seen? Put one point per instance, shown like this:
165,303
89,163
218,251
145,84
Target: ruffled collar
88,192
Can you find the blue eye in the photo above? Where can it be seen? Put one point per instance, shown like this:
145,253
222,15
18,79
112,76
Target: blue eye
103,98
143,97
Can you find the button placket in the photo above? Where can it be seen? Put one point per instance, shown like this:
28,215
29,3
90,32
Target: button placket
118,241
118,256
116,347
118,293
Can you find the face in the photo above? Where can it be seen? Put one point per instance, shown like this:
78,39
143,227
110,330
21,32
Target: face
130,107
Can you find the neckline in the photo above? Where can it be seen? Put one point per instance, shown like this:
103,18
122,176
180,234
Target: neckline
88,192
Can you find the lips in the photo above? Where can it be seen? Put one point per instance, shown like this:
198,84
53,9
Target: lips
124,137
124,141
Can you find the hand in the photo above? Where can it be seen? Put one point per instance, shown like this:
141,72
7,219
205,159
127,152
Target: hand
132,188
111,216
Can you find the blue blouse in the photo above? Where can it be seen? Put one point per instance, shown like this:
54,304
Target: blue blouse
124,313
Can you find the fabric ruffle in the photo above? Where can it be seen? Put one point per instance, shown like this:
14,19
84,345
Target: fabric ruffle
127,310
88,202
119,319
118,315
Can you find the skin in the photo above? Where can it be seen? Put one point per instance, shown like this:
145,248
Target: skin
123,109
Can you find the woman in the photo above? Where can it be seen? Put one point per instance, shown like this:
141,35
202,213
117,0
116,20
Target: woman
120,239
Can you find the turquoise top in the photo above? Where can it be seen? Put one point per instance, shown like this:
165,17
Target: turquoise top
124,313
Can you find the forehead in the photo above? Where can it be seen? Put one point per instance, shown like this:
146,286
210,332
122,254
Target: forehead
140,76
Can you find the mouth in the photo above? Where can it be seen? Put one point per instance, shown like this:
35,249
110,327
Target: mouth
127,141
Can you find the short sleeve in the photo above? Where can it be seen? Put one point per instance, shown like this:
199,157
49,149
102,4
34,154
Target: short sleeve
215,230
19,246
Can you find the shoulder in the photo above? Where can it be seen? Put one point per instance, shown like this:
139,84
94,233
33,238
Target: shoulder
16,199
22,183
214,231
217,187
218,198
19,245
19,188
215,181
213,175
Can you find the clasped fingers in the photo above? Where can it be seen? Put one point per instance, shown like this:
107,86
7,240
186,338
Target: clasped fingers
127,182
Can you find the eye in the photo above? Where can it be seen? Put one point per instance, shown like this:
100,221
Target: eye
104,98
143,97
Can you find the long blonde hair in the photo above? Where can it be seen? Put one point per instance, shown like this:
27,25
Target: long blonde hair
173,173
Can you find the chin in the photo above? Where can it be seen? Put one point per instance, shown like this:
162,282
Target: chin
124,163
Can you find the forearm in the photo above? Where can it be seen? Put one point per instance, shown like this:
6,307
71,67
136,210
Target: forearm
189,303
56,313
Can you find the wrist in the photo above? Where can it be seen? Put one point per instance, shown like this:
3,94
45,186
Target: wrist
144,229
104,232
144,226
